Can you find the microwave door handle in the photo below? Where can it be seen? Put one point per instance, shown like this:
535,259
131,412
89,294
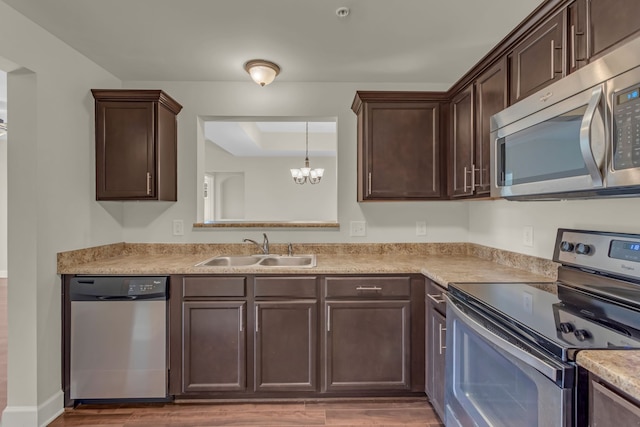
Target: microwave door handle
590,161
548,370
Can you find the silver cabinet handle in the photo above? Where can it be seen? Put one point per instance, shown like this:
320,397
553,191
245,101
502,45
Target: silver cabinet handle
435,299
328,318
573,46
241,318
553,59
473,176
465,180
257,320
440,331
148,183
368,288
369,184
471,172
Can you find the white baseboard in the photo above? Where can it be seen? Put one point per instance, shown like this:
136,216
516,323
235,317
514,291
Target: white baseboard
4,274
30,416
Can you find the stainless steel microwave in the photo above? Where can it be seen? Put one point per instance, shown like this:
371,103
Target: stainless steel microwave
577,138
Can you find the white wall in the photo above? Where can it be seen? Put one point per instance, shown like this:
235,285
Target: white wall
3,178
269,191
387,222
51,202
500,223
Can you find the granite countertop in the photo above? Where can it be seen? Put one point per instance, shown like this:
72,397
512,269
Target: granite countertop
617,367
443,268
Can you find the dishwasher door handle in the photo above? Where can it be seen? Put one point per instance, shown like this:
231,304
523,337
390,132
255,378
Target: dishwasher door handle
117,298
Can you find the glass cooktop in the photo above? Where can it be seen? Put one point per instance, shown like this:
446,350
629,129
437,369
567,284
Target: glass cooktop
562,327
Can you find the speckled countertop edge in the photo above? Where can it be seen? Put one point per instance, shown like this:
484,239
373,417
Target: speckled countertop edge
617,367
441,262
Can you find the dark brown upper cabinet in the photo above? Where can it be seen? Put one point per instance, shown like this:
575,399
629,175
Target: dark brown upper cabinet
490,98
539,59
597,26
136,145
398,145
461,144
469,139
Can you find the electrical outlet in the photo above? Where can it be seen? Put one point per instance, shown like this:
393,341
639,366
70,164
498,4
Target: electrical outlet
527,302
358,228
178,227
527,235
421,228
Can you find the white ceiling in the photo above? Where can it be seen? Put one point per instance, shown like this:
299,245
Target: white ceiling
417,41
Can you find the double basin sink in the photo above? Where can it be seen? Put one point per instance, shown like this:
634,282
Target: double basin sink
299,261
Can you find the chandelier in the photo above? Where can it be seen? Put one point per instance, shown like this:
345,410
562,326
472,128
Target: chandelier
306,174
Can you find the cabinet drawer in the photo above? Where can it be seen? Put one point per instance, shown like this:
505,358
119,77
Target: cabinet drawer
434,296
214,287
298,287
367,287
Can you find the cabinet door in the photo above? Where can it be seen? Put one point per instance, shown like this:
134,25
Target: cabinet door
539,60
577,35
367,345
401,151
611,21
608,408
491,98
285,345
125,155
462,144
214,349
438,341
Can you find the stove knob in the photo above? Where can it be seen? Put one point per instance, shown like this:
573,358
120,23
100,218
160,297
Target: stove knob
582,334
582,249
566,246
566,327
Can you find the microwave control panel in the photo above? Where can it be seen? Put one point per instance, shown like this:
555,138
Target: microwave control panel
626,134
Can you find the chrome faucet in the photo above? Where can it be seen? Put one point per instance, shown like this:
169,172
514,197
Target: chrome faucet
264,247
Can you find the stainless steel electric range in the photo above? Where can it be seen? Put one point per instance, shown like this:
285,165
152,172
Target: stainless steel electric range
511,347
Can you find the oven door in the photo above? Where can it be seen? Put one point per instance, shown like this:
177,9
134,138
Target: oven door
493,380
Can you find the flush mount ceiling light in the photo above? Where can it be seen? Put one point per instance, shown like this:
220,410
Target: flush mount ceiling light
261,71
306,174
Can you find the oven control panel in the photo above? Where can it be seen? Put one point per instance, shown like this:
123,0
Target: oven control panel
577,329
611,253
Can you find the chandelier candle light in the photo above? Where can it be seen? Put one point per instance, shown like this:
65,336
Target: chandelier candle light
306,174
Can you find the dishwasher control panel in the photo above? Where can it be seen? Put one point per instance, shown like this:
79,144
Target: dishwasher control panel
147,286
115,288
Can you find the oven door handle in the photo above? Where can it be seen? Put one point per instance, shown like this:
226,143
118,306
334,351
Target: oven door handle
554,373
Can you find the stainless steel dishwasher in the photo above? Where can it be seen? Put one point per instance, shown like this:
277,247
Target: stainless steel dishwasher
118,338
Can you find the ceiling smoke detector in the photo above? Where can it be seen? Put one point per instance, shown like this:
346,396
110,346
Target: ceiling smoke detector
342,12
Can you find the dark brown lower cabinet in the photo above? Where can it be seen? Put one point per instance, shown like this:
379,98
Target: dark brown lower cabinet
435,346
214,350
263,336
367,345
285,345
610,408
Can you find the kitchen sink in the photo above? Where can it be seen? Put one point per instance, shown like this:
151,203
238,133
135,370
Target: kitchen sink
304,261
289,261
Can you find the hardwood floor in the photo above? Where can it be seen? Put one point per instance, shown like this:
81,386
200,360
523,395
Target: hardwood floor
378,412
